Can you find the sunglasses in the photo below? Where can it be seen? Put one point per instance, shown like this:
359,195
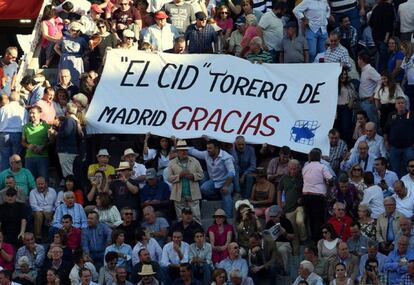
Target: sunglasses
203,19
101,27
17,161
324,232
224,13
128,214
411,166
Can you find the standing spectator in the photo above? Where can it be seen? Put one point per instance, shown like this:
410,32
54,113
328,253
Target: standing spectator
73,209
35,140
245,163
346,100
185,172
369,82
160,157
249,31
407,49
161,35
294,47
12,119
181,14
157,227
313,16
270,29
348,34
397,261
95,238
34,88
78,7
174,253
22,176
315,175
33,251
338,149
374,141
278,166
72,49
42,201
51,29
225,21
13,218
201,37
65,82
406,16
9,66
48,114
395,59
220,168
388,225
340,221
399,136
337,52
126,17
107,40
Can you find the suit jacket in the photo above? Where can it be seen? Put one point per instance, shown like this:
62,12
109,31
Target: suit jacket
271,254
382,223
352,268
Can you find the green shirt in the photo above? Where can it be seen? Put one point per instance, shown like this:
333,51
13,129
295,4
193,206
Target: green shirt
24,179
36,135
292,188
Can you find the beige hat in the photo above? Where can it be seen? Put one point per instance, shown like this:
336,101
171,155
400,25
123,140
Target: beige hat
123,165
76,26
129,151
128,33
103,152
181,145
146,270
220,213
243,202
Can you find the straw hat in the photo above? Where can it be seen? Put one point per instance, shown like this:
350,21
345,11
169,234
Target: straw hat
181,145
123,165
146,270
220,213
129,151
103,152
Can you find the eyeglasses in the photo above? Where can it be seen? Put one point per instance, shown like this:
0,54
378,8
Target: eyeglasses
203,19
411,166
74,31
128,38
128,214
224,12
324,232
17,161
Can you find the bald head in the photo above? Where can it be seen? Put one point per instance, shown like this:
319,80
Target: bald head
370,130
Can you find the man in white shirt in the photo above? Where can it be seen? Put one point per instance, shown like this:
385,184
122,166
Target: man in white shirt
80,7
12,119
408,179
161,35
383,177
6,277
270,29
404,199
138,170
174,253
406,16
369,81
362,157
42,200
373,196
374,141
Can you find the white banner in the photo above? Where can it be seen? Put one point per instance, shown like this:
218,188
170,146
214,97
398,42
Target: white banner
219,96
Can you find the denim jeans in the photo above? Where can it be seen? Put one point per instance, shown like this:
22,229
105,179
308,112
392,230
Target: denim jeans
209,192
202,272
38,166
371,110
246,188
399,158
316,42
10,143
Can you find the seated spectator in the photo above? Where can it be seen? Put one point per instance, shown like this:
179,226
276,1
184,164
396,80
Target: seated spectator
374,141
174,253
107,272
257,54
128,225
199,256
13,218
107,40
345,257
79,7
139,170
60,240
361,120
99,184
327,246
340,221
81,102
306,273
404,199
220,235
406,229
383,177
143,240
355,178
294,47
278,166
362,157
161,35
58,263
373,196
24,275
234,261
283,242
200,42
396,263
73,234
11,183
69,207
338,147
6,254
368,224
52,277
108,214
119,246
95,238
155,193
408,277
148,275
65,82
341,275
186,276
81,261
187,226
42,201
321,264
234,46
263,194
357,243
34,252
157,227
144,262
102,164
372,274
246,223
71,185
388,225
127,42
372,254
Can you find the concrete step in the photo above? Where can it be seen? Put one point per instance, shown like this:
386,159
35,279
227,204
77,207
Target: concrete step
208,208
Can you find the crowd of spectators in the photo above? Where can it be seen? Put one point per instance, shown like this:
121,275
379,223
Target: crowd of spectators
68,216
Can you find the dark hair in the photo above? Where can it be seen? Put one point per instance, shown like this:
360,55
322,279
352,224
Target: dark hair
48,13
116,233
343,178
28,79
61,90
333,131
312,248
364,56
355,223
383,160
363,113
186,265
340,264
77,256
72,178
214,142
410,160
67,6
67,217
368,178
36,107
63,236
105,200
103,22
342,17
7,273
370,260
314,155
277,4
256,236
392,85
141,250
303,282
180,40
111,256
84,269
198,231
139,234
217,272
10,177
53,270
330,229
285,150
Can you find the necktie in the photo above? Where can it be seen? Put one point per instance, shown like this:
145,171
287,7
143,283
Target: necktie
390,230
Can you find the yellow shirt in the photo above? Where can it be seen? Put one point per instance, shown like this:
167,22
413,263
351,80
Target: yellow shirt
110,170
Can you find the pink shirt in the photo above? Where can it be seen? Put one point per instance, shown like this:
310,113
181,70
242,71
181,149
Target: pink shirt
48,111
226,24
250,33
314,176
8,248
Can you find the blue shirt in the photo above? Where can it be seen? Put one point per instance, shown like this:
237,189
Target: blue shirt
95,240
381,261
35,95
160,192
393,268
200,40
390,178
245,161
392,62
35,261
77,213
218,168
124,249
239,263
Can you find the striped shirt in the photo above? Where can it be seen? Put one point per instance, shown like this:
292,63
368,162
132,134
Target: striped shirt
262,56
342,6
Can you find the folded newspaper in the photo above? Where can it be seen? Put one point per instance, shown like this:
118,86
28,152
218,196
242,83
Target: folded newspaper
274,231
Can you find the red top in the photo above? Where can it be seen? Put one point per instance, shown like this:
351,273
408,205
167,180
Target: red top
74,239
8,248
341,226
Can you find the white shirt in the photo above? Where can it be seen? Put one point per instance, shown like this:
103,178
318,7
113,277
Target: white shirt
170,256
406,15
316,11
12,118
139,170
161,39
43,203
370,80
153,248
376,145
80,7
390,178
406,205
272,27
74,273
408,182
408,66
374,198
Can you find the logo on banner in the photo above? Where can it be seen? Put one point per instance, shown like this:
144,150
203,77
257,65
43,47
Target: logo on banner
303,132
